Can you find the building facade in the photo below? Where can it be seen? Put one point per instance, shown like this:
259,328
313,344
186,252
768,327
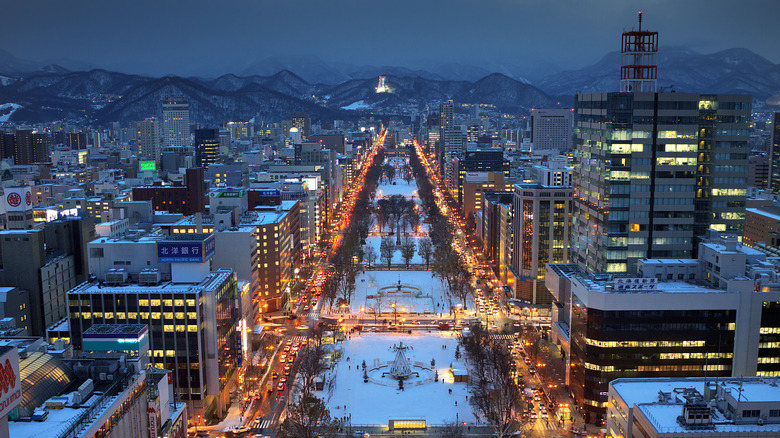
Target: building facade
653,171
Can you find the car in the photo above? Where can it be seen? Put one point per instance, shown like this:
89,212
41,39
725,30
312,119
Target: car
275,376
533,415
283,380
532,369
287,372
282,357
305,308
280,387
286,348
287,367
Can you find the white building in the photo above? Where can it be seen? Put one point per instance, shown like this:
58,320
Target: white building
704,408
552,130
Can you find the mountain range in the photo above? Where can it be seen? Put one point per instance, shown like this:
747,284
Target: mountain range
99,96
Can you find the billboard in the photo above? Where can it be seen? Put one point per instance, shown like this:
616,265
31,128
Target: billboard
18,199
10,381
147,165
230,194
186,251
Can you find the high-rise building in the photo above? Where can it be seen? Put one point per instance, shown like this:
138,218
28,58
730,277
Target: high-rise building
149,139
27,147
206,147
551,129
542,233
654,171
176,121
302,121
774,155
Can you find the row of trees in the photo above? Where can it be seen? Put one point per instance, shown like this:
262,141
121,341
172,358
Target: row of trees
447,264
339,288
495,395
397,213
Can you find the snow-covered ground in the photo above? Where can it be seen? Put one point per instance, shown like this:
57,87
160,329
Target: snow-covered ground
360,104
432,300
374,404
7,109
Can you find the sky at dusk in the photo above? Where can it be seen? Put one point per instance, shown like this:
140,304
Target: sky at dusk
195,37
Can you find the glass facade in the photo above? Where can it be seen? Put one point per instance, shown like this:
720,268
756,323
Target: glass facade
607,345
769,340
652,172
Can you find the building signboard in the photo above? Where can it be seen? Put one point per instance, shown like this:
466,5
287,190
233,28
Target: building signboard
18,198
638,284
147,165
186,251
10,382
269,193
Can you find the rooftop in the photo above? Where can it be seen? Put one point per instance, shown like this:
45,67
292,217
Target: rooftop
210,282
663,410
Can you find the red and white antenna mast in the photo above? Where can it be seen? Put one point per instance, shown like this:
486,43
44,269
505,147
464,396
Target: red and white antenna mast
639,71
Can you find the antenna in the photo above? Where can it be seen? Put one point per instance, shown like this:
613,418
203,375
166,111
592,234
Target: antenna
638,70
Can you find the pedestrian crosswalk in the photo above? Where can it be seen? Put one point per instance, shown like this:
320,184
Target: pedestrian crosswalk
265,424
298,338
312,315
502,337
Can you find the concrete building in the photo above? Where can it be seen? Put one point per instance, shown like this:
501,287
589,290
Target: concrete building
552,130
695,407
762,226
192,321
55,260
653,172
542,235
188,198
149,139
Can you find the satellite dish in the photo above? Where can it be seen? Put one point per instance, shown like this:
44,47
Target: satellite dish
774,100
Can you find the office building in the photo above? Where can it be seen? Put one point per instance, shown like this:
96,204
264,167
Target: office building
54,261
774,155
26,146
262,246
186,199
654,171
744,407
176,121
715,316
206,147
302,121
762,227
551,130
192,320
148,138
541,235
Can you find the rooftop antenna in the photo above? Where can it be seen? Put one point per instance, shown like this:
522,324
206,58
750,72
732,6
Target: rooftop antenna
638,70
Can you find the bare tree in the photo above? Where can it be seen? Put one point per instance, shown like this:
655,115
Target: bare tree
310,366
425,249
494,393
307,417
386,250
376,308
371,255
407,250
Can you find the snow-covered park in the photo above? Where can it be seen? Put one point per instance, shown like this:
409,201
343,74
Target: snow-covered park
421,292
374,404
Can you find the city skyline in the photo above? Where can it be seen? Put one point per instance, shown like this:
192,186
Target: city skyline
160,38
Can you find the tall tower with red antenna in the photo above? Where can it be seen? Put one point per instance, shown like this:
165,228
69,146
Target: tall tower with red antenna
638,50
